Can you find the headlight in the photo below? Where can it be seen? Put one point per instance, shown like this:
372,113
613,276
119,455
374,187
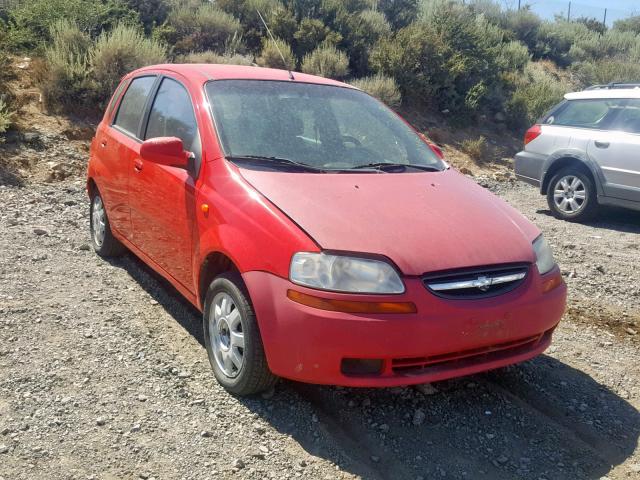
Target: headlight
344,274
544,256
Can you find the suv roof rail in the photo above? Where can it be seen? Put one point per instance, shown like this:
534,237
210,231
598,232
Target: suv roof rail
612,85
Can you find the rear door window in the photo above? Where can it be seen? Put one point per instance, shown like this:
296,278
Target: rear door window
586,113
132,105
628,120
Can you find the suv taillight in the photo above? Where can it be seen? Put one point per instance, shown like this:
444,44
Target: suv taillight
533,133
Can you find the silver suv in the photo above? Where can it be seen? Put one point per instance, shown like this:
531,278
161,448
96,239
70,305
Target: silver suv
585,152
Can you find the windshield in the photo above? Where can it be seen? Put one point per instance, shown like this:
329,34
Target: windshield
319,127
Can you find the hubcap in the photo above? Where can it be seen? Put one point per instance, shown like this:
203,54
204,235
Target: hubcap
226,335
98,221
570,194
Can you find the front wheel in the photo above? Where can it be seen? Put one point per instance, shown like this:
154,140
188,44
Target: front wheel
572,195
232,338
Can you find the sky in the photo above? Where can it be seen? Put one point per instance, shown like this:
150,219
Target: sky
616,9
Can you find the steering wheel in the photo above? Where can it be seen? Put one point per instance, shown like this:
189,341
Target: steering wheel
351,139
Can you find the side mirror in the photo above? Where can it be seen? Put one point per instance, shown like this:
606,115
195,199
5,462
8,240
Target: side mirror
165,151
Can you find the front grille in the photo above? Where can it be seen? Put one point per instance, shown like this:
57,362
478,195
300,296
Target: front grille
476,283
455,360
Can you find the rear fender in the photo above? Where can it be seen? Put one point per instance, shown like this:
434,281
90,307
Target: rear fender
572,155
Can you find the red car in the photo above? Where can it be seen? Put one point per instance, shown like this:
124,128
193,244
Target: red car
323,239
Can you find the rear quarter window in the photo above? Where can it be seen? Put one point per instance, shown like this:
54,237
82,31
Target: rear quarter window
585,113
132,105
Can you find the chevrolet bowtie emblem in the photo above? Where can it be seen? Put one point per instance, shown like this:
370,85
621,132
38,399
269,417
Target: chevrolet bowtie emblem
483,283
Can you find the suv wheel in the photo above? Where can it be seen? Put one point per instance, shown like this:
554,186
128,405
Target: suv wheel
572,196
104,243
233,339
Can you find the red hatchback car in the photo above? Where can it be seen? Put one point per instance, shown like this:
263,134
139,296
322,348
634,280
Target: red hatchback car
323,239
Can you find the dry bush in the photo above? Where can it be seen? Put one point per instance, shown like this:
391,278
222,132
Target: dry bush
270,57
118,52
326,61
80,74
382,87
213,57
6,116
477,149
64,80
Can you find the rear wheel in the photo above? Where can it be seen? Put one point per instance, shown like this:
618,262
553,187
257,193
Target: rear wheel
233,339
104,243
572,195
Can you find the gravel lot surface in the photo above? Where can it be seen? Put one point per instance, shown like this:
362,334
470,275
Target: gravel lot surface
103,374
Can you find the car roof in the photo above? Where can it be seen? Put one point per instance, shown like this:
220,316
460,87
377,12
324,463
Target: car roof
604,93
203,72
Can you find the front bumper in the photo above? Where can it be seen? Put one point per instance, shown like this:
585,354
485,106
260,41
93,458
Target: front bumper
444,339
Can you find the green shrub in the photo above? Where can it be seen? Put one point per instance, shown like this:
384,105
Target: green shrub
190,29
30,21
555,40
611,44
606,71
376,24
81,74
541,87
270,56
383,88
592,24
524,25
629,24
213,57
311,33
118,52
399,12
442,60
512,56
326,61
151,12
279,19
65,81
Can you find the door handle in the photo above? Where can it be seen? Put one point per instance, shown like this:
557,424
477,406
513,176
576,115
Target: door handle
103,143
137,166
601,144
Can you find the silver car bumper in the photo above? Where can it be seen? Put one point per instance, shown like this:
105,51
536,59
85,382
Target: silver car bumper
529,167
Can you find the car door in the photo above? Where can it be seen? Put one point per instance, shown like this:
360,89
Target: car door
162,198
117,143
617,152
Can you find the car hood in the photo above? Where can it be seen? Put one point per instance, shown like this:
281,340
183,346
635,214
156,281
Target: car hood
423,222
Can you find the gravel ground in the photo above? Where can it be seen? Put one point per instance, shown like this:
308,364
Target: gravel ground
103,374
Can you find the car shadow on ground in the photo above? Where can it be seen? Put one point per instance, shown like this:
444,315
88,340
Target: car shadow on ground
541,419
610,218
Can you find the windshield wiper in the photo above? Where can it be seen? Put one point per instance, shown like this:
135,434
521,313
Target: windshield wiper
387,166
264,160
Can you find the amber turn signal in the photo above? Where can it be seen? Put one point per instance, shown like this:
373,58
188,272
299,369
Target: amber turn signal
349,306
552,283
205,208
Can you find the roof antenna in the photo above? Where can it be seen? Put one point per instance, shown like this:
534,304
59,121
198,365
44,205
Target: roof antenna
284,62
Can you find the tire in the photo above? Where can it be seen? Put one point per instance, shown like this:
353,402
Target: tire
103,241
233,340
572,196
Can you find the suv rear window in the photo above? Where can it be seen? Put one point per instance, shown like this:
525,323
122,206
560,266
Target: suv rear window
585,113
132,105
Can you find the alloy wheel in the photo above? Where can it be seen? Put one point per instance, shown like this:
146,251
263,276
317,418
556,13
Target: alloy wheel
226,335
98,220
569,194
